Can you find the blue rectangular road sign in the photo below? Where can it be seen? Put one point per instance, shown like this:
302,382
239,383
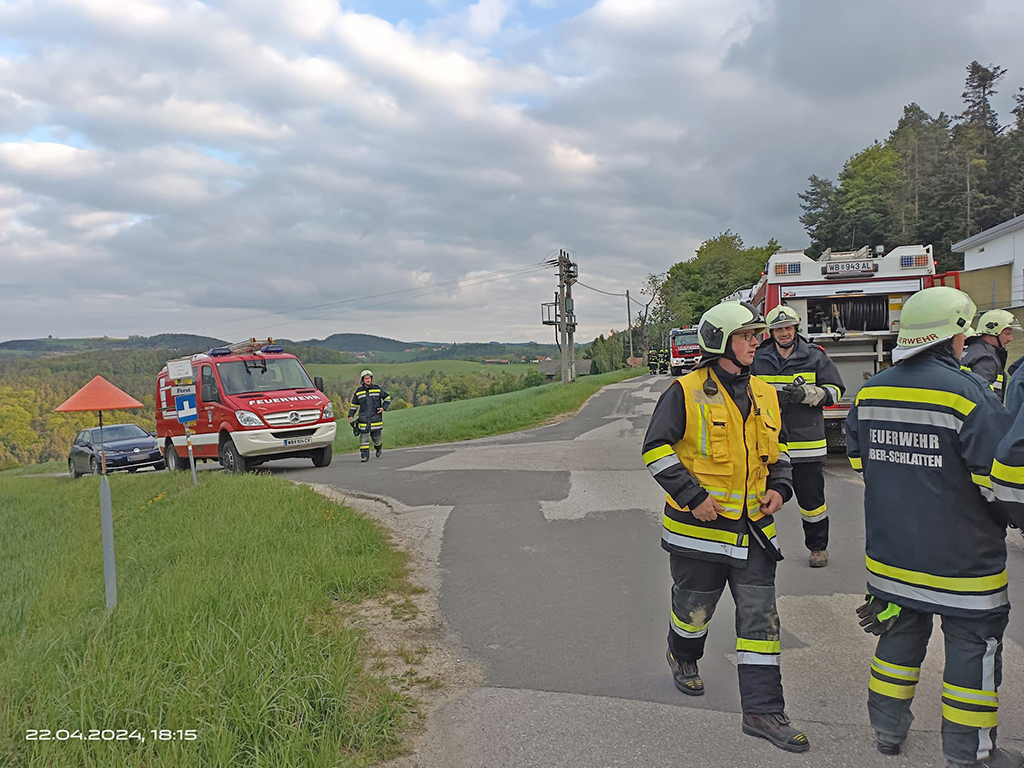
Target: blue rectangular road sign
185,405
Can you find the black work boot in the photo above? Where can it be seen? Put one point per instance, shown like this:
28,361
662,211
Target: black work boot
380,448
888,747
685,675
776,728
364,455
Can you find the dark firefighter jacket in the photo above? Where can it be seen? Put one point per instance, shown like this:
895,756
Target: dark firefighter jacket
365,402
1008,471
730,445
805,424
924,434
986,361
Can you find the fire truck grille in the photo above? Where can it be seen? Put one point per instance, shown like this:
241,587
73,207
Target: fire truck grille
285,418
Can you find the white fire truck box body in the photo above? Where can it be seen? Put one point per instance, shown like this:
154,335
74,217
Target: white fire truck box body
849,303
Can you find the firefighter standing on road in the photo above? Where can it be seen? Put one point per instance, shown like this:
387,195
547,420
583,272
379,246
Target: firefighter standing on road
985,354
368,404
924,434
716,444
807,381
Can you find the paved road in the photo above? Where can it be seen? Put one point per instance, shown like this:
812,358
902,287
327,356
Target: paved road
553,577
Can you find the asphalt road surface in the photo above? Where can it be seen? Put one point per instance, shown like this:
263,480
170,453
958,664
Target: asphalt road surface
553,577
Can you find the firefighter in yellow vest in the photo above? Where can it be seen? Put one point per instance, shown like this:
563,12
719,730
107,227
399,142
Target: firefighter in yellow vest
716,445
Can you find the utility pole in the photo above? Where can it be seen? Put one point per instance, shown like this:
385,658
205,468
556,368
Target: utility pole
562,321
571,275
629,326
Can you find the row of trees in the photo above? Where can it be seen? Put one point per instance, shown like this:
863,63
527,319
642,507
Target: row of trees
438,387
934,180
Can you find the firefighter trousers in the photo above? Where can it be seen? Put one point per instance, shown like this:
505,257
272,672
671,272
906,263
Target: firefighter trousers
809,488
974,670
367,432
696,588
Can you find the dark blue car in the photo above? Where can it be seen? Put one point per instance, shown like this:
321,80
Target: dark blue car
128,447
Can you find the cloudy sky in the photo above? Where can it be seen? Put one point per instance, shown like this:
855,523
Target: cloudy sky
238,167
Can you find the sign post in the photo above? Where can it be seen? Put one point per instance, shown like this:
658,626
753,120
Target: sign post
100,395
180,371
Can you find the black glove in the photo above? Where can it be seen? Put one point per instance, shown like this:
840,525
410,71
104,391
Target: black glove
877,616
355,430
791,393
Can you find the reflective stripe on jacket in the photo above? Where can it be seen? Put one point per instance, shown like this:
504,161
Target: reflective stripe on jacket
716,453
365,402
924,434
1008,471
805,425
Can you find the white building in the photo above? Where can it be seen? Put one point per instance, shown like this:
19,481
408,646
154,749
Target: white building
994,266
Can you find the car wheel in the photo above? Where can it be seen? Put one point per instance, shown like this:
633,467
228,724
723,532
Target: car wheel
72,471
322,458
172,461
230,458
94,467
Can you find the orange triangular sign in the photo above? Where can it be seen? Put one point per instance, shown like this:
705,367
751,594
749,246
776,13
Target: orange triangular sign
99,395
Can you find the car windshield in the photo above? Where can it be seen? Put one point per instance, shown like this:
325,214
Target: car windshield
247,376
119,432
682,339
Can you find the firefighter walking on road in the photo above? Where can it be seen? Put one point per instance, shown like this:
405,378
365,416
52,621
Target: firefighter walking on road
807,380
985,353
924,435
716,445
366,414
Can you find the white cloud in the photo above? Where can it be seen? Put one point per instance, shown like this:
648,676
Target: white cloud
485,17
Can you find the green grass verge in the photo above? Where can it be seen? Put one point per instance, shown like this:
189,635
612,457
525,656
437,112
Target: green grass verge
483,416
381,371
228,623
57,465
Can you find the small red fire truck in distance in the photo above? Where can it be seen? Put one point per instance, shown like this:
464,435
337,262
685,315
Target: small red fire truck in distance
849,303
684,350
255,403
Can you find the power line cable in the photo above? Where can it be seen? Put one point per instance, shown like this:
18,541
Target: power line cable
511,272
598,290
464,283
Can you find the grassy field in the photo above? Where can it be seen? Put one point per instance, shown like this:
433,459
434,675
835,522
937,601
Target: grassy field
227,623
57,465
483,416
381,371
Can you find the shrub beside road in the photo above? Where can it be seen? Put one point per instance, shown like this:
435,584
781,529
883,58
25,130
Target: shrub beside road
228,623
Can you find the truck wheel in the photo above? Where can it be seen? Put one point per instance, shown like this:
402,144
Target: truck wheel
230,458
72,471
677,371
322,458
172,461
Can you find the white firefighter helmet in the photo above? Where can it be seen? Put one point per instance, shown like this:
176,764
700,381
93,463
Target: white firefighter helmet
995,321
930,317
366,373
722,320
782,316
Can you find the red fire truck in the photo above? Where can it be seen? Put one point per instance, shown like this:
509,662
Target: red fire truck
684,350
255,403
849,303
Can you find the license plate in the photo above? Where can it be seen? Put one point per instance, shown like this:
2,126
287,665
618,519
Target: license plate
297,441
138,456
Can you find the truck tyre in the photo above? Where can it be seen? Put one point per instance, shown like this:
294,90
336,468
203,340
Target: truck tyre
322,458
677,371
72,471
172,460
231,459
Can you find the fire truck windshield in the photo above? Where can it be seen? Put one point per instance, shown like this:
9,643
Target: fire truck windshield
684,338
244,377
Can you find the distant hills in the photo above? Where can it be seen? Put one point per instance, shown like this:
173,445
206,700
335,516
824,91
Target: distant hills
337,348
